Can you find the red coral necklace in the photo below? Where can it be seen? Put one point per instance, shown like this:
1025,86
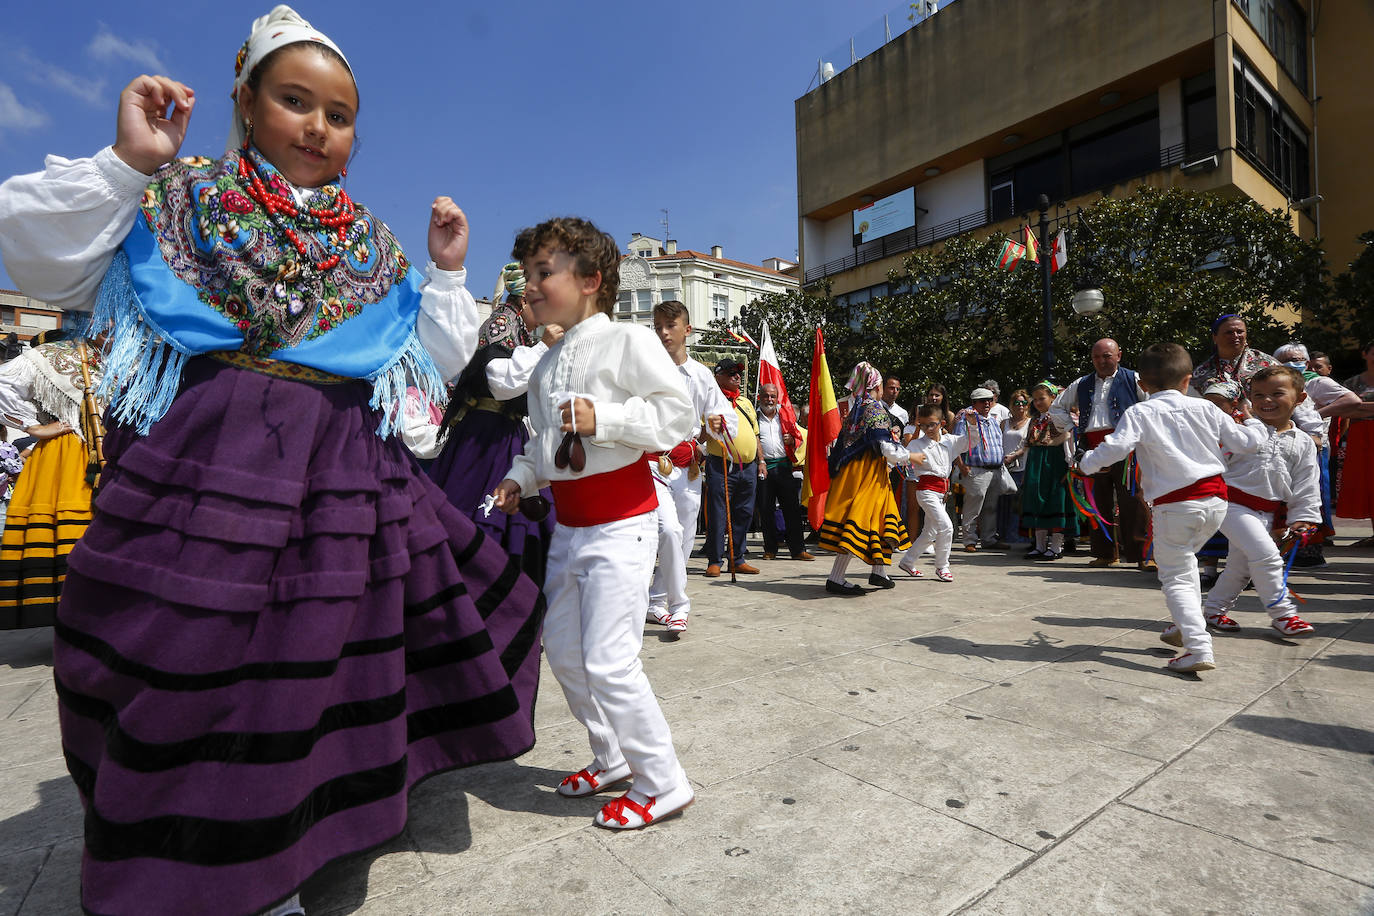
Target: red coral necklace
337,225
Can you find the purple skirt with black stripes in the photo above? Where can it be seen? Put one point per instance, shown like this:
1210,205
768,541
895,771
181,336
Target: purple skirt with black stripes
274,627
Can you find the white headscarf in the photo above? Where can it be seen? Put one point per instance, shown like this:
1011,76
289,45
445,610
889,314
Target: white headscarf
279,28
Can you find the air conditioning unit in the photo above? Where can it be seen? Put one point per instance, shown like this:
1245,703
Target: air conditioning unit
1198,166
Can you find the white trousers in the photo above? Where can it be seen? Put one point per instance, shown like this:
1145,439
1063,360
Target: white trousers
1180,530
937,530
982,486
1254,555
597,591
679,504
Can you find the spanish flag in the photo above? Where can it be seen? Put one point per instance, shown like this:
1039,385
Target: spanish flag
1032,247
824,427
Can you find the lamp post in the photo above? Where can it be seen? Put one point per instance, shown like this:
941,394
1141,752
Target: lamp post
1087,297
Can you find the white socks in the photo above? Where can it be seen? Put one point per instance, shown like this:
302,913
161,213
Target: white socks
837,571
1041,536
881,571
1057,542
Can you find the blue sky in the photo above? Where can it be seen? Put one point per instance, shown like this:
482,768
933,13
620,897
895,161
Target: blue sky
613,111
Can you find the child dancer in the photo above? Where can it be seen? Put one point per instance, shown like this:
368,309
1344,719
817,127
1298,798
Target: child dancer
677,473
614,384
1046,506
271,629
1175,439
932,458
1283,471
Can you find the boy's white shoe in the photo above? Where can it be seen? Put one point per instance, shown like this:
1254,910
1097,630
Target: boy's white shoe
1293,626
659,615
1222,623
589,780
677,624
1188,662
634,809
1172,636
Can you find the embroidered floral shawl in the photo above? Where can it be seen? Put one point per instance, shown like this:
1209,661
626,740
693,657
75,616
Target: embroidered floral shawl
57,384
1238,370
866,426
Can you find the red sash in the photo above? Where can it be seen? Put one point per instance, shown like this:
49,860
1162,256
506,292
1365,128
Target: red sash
1250,501
932,482
1094,437
1198,489
600,498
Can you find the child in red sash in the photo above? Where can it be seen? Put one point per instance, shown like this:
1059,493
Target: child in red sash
932,458
599,399
1178,443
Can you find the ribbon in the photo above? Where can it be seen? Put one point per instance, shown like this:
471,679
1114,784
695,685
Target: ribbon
1299,540
1090,512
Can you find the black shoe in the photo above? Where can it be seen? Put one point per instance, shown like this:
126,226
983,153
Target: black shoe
1050,555
1313,562
878,581
848,589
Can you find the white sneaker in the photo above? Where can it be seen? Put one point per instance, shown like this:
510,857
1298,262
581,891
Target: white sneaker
659,615
1172,635
677,624
634,810
1188,662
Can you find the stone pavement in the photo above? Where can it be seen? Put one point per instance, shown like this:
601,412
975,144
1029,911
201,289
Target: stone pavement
1008,743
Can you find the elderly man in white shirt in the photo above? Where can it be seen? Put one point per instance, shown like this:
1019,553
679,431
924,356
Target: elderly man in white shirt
1101,397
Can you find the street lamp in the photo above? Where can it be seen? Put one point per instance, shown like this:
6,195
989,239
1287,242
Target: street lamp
1087,296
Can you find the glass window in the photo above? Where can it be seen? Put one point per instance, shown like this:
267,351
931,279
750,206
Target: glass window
623,302
1041,175
720,305
1121,152
669,295
1200,114
1283,26
1003,196
644,300
1268,135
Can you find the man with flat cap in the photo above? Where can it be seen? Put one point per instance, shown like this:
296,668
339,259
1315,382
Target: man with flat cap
737,462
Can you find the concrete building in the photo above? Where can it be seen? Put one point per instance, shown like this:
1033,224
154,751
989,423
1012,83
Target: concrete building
710,285
27,317
961,122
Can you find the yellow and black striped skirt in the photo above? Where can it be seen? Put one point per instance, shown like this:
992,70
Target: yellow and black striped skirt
860,514
48,514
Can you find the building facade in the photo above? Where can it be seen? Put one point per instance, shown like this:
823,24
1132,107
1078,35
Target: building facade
27,317
710,285
962,122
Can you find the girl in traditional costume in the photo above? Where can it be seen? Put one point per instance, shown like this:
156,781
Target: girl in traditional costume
861,517
1047,512
44,392
484,427
274,626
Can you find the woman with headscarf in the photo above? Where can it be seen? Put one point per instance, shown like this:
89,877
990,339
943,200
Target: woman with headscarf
44,392
484,427
861,516
274,626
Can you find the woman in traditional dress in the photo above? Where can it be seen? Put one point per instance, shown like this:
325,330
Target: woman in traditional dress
274,626
43,392
484,427
1355,481
861,518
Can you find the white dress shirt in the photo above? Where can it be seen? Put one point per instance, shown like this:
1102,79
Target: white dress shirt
1175,439
898,412
1100,415
770,437
59,229
939,455
16,395
509,377
1284,469
707,399
641,403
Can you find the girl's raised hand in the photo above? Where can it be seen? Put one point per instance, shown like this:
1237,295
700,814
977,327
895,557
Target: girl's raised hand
448,234
145,138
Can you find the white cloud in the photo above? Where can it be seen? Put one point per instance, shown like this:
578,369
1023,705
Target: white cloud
14,115
88,89
107,46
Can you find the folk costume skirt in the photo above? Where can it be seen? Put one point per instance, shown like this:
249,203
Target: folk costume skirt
477,455
1045,499
1355,499
861,516
47,516
274,628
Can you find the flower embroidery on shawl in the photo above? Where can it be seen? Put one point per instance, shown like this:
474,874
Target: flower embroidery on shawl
217,239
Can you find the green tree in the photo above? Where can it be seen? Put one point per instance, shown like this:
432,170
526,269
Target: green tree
1344,321
1168,262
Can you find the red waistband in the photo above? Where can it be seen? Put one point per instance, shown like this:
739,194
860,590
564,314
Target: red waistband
600,498
1094,437
1251,501
682,454
1198,489
932,482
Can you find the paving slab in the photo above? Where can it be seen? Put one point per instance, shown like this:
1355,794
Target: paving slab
1127,862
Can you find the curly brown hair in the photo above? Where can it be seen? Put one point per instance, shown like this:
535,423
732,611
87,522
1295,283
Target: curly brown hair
591,249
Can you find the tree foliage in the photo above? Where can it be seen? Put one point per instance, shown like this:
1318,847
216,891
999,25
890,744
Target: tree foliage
1168,262
1343,322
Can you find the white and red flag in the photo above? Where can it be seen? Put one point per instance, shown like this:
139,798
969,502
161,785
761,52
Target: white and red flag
1060,257
771,374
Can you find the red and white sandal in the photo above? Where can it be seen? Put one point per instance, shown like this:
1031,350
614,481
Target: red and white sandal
944,574
624,813
589,781
1293,626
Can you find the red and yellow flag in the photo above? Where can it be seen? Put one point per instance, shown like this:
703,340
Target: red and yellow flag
823,429
1032,247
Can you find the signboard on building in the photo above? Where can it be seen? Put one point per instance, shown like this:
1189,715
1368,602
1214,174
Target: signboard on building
885,216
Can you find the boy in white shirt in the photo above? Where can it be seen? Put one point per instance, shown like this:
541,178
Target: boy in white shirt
1283,470
1175,439
932,458
614,384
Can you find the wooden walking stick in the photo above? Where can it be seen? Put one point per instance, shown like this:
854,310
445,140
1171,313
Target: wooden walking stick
729,517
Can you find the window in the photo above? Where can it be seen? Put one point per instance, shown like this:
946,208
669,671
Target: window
623,303
720,305
1117,153
644,300
669,295
1283,26
1268,135
1200,114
